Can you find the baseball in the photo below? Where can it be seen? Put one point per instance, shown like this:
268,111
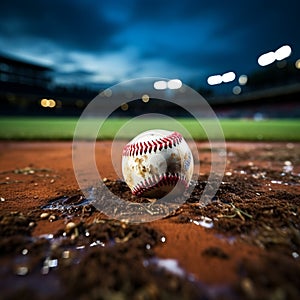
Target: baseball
157,162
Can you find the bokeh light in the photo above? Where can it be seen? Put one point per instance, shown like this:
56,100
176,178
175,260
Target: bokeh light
174,84
48,103
283,52
269,57
145,98
228,77
218,79
52,103
237,90
160,85
281,64
266,59
44,102
243,79
214,79
124,106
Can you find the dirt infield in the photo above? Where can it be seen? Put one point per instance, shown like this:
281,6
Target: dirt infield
244,245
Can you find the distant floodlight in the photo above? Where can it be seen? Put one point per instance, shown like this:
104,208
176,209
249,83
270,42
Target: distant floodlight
228,77
48,103
243,79
160,85
283,52
214,79
266,59
297,64
51,103
174,84
280,54
44,102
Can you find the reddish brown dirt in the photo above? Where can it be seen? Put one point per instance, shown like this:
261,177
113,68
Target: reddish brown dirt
251,252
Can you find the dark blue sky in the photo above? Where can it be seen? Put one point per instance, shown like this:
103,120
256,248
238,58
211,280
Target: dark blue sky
108,41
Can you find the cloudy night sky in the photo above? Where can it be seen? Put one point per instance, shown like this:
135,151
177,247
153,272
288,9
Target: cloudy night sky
105,42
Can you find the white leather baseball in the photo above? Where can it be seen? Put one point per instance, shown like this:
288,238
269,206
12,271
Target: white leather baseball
157,161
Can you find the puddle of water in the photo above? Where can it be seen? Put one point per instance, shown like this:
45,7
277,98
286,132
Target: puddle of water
65,203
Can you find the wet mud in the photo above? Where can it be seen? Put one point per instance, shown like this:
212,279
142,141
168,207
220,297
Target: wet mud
245,244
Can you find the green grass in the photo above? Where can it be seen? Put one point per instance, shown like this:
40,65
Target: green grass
15,128
265,130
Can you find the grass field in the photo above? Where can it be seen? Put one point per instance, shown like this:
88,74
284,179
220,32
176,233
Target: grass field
34,128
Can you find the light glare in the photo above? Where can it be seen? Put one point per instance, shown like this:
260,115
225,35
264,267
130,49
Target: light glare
51,103
48,103
44,102
266,59
228,77
283,52
160,85
214,79
297,64
269,57
174,84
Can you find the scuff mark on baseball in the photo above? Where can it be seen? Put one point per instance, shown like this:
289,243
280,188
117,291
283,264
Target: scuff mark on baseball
157,162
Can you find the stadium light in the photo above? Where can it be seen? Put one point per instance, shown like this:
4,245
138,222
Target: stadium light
174,84
283,52
228,77
269,57
218,79
266,59
160,85
48,103
214,79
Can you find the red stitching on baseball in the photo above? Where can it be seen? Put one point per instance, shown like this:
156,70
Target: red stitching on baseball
152,146
166,179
